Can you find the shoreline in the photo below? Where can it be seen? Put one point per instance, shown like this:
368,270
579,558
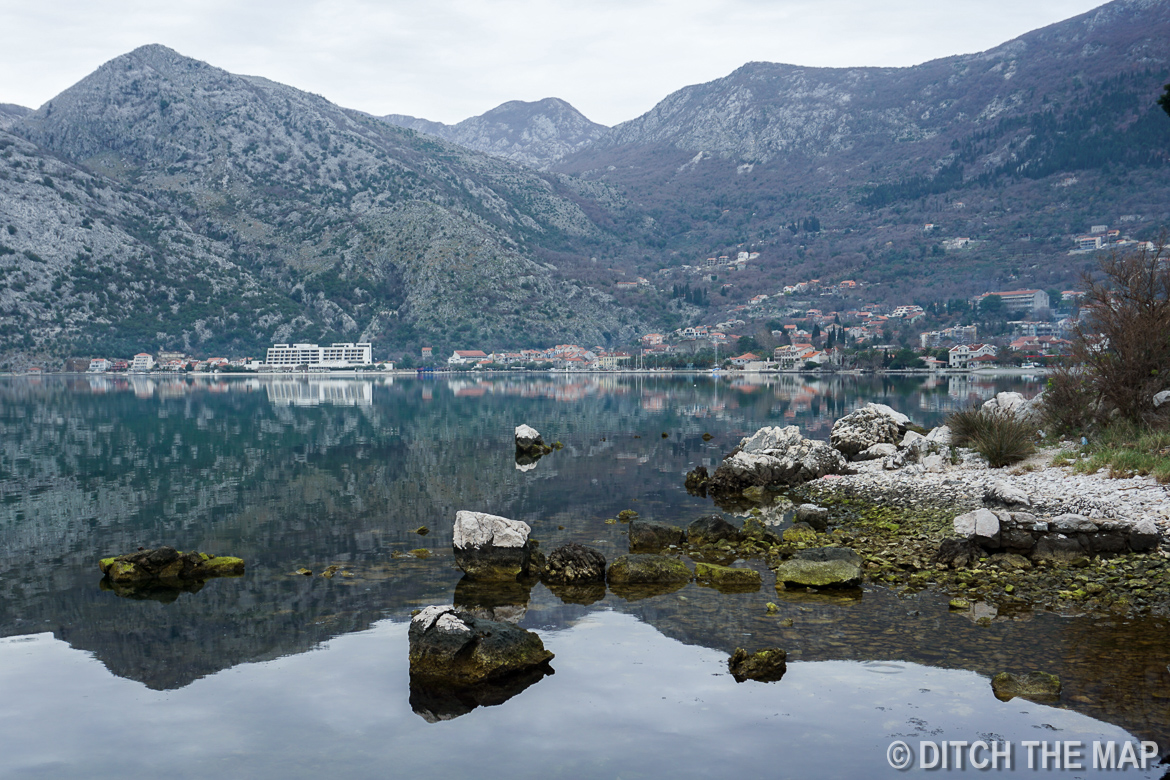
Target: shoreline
405,372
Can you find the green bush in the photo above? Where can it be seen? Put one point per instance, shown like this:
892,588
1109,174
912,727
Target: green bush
1000,437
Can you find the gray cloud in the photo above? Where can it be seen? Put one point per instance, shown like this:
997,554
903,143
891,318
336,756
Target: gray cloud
449,59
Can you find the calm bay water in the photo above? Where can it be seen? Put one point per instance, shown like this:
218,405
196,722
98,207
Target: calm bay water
279,675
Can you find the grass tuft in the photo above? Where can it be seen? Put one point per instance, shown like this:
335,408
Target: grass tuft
1001,438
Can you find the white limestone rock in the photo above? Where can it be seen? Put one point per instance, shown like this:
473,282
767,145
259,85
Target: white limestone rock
862,429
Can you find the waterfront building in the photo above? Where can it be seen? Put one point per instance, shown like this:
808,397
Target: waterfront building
347,355
143,361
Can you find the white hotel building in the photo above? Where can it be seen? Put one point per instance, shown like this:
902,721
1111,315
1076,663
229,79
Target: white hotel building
334,356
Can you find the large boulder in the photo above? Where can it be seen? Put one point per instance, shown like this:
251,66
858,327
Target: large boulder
166,565
819,574
860,430
574,564
775,456
649,536
763,665
489,547
902,420
1014,404
712,529
981,526
451,648
648,570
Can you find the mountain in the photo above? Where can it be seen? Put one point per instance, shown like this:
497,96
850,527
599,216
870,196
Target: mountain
10,112
1020,147
349,228
535,134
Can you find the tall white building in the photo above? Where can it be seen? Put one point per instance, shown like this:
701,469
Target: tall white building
334,356
143,361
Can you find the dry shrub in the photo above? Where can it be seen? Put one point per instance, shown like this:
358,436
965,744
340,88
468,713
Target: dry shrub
1069,400
1123,345
999,436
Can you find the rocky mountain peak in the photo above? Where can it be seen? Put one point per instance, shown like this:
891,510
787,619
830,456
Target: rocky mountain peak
533,133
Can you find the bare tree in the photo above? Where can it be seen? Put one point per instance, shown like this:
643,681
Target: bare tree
1122,346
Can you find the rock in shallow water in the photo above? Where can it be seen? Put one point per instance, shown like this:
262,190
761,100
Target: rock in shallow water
727,578
489,547
450,648
574,564
166,564
819,574
775,456
649,536
648,570
763,665
712,529
1033,685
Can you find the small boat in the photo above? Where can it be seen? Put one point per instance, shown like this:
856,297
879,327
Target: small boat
1029,365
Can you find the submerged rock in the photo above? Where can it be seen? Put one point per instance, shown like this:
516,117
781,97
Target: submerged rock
860,430
489,547
712,529
649,536
763,665
727,578
574,564
455,649
1033,685
775,456
819,574
168,565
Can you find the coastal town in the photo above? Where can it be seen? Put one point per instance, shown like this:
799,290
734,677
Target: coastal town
785,333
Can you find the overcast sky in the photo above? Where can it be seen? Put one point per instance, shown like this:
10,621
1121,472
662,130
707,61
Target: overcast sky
449,59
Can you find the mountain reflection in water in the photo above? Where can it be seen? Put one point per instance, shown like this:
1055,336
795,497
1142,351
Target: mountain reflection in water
296,472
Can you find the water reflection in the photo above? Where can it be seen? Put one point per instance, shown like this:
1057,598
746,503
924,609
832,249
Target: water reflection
625,702
98,466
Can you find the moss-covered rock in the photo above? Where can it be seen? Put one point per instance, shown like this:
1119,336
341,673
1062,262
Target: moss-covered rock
574,564
168,565
819,574
712,529
763,666
800,533
727,578
648,570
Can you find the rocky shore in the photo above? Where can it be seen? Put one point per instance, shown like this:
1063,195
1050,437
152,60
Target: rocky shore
919,512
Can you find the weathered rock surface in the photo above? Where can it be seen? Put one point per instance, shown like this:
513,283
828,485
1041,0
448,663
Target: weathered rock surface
1000,493
817,517
647,570
168,565
574,564
490,547
650,536
1025,409
860,430
727,578
712,529
763,665
775,456
450,648
1033,685
876,452
819,574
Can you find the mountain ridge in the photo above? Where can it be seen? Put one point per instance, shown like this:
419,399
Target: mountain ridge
536,133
